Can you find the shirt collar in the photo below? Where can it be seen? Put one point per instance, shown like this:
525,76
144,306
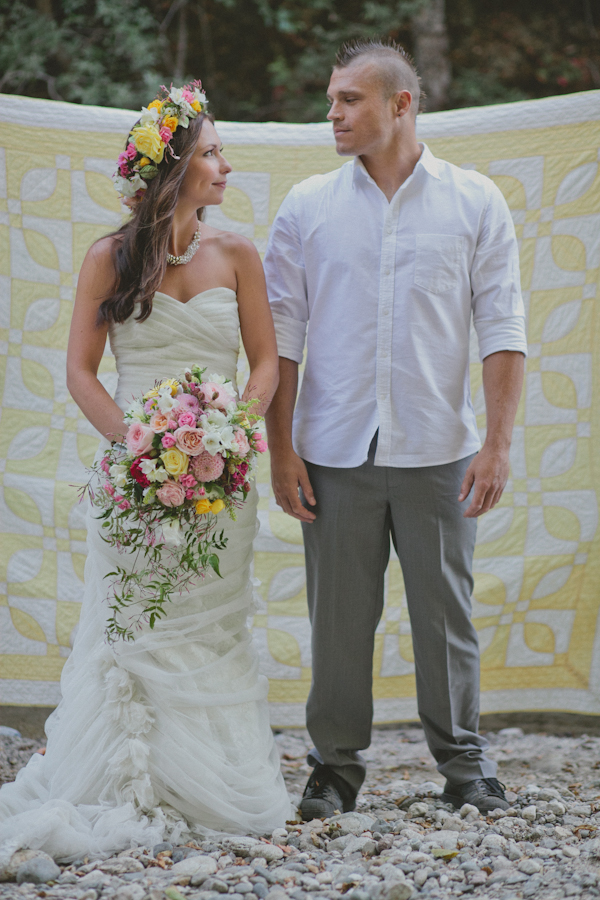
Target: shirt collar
426,161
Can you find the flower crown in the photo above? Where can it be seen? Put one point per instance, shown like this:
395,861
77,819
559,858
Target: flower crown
149,139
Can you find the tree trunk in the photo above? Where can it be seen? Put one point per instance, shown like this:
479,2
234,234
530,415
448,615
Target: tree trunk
182,42
431,53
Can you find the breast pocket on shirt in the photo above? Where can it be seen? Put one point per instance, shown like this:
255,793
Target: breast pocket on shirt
438,261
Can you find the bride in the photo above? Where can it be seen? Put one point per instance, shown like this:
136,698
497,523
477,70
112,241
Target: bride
165,737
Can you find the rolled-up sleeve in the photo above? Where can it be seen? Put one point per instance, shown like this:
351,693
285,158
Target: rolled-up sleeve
498,312
286,281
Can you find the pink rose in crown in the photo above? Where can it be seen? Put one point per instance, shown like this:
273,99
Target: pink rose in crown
187,418
242,442
139,438
216,395
165,135
206,467
171,493
131,151
189,440
168,441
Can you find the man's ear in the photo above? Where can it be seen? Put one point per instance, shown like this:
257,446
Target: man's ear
403,102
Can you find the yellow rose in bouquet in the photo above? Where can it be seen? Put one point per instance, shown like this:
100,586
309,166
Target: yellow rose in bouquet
175,462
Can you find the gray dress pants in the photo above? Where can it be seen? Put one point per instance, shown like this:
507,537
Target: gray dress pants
347,552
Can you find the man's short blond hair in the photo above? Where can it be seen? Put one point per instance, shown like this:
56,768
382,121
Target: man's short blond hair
395,66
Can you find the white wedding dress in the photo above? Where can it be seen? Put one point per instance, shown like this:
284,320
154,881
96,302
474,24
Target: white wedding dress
165,737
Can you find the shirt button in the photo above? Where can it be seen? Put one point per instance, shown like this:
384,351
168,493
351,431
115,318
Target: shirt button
386,312
386,271
389,229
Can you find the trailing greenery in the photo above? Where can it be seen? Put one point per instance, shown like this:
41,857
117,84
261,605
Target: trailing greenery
270,59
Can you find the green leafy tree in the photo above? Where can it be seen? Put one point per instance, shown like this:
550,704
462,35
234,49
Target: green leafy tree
85,51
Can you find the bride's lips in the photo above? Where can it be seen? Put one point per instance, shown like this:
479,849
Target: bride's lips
221,184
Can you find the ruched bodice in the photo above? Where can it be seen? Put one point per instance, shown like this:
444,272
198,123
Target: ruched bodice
205,330
166,737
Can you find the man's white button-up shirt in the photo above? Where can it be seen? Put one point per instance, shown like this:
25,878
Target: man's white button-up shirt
386,291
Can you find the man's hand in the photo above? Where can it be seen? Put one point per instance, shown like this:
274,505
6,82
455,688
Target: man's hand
288,472
487,475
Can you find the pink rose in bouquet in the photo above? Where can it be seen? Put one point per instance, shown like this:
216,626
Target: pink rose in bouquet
242,442
187,417
139,438
216,394
187,401
168,441
171,493
158,422
189,440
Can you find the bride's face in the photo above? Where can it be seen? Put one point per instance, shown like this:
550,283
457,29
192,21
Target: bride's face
206,175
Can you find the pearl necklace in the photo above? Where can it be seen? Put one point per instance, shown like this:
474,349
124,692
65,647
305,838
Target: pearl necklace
189,253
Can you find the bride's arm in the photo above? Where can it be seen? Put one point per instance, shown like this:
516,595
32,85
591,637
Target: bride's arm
256,323
86,343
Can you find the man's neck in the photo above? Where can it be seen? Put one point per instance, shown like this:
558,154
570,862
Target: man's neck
390,168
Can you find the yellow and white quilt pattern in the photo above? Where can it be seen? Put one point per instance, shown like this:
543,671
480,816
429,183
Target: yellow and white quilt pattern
537,565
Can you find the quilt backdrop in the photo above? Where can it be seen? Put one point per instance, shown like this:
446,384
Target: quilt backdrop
537,562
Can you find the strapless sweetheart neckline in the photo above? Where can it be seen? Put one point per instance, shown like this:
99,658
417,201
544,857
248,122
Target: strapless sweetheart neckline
196,296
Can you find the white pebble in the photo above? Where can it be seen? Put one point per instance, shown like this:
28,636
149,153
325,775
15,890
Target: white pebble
570,852
529,867
556,807
416,810
468,808
529,813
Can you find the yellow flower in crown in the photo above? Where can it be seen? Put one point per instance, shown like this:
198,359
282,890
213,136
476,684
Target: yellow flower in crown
148,142
175,462
151,137
171,122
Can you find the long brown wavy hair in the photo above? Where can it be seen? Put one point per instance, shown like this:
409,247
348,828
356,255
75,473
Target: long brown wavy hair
142,243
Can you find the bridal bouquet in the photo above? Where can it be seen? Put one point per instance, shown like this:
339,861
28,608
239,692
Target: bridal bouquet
187,456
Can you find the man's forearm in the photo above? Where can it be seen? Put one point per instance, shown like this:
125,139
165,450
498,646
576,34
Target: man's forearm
502,385
280,414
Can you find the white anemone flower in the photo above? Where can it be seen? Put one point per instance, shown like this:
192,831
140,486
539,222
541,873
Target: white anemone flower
136,411
172,533
128,187
118,473
217,419
149,116
212,442
227,438
166,402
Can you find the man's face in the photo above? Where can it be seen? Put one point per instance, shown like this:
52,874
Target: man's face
364,122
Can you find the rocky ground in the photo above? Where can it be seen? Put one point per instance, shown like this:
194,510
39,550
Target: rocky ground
401,842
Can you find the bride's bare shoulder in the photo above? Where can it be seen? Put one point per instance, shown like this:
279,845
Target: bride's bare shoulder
98,272
234,245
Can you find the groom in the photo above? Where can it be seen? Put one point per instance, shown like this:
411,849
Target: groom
385,260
